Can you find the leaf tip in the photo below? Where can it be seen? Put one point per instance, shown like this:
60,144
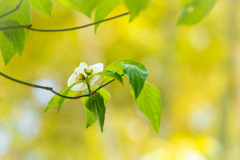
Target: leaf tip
156,130
131,19
46,110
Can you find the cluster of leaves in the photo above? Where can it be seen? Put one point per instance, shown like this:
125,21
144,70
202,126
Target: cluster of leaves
145,95
12,40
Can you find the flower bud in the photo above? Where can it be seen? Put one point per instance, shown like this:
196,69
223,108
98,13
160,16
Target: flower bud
88,71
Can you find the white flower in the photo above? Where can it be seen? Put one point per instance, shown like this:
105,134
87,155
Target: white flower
80,74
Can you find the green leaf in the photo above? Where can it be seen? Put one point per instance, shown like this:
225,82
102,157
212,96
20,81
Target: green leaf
84,6
90,116
136,76
149,103
193,11
111,74
118,67
95,104
61,100
6,49
103,8
54,100
22,16
42,6
135,6
91,119
15,36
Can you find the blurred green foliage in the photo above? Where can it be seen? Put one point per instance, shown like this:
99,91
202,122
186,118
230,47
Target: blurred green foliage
196,68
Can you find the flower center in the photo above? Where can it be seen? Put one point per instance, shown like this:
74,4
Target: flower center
80,77
88,71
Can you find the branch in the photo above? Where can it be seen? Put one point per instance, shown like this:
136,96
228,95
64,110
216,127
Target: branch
16,8
65,29
101,86
51,89
16,27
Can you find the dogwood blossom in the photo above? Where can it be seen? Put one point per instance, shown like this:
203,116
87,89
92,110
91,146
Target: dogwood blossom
81,73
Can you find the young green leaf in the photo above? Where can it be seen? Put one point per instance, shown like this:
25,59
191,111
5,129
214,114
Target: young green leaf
90,116
61,100
15,36
135,6
118,67
95,104
111,74
193,11
136,76
149,103
6,49
103,8
84,6
42,6
54,100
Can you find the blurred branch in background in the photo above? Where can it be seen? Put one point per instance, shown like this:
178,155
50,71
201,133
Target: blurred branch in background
229,101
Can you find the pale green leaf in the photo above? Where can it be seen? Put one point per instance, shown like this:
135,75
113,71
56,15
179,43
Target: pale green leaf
103,8
136,76
61,100
95,104
149,103
6,49
84,6
22,16
54,100
135,6
193,11
15,36
42,6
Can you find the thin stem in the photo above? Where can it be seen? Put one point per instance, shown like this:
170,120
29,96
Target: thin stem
15,9
65,29
89,86
51,89
101,86
43,87
16,27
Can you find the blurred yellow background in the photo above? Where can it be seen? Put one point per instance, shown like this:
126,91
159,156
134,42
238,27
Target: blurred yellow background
196,68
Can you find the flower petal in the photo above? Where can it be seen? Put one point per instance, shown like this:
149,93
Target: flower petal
94,78
92,81
81,68
96,68
72,79
84,86
77,87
